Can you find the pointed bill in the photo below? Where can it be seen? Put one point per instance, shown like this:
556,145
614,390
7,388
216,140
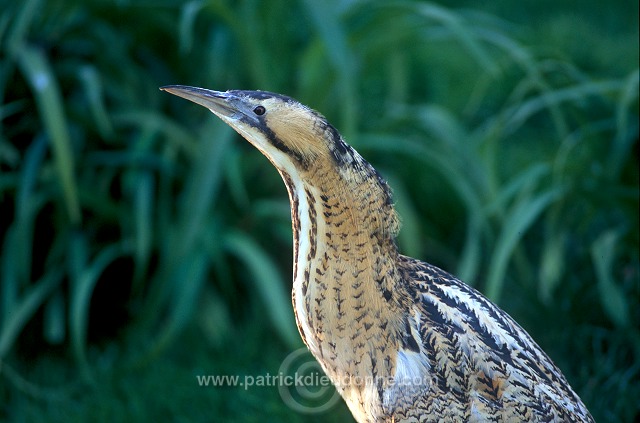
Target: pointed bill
221,103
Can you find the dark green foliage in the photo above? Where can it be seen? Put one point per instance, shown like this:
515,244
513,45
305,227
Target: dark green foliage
143,243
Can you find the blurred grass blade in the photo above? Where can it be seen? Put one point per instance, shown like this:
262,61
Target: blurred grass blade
267,282
16,35
93,90
529,177
143,206
240,16
612,297
24,308
5,19
471,256
201,186
460,28
454,23
518,220
28,202
85,277
535,81
326,20
155,122
188,14
525,110
9,280
234,175
552,264
186,287
626,134
336,47
50,106
54,319
31,168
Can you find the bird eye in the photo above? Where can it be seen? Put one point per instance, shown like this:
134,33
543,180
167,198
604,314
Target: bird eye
259,110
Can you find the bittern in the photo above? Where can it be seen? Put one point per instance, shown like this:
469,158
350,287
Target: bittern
402,340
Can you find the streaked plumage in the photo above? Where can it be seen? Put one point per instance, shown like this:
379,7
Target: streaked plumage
402,340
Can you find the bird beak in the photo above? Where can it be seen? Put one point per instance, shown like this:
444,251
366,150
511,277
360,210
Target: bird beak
225,105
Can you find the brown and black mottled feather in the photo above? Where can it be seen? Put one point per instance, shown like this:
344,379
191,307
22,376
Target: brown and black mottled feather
480,359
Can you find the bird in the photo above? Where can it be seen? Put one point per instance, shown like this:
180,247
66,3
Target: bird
401,339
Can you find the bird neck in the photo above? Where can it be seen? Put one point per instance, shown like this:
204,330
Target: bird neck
344,229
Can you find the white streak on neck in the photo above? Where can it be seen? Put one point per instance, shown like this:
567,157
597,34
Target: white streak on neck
303,248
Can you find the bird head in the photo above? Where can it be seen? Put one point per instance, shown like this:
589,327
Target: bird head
284,130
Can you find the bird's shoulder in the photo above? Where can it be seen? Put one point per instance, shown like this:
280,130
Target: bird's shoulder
474,355
443,305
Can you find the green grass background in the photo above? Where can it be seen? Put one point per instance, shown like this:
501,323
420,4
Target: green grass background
144,243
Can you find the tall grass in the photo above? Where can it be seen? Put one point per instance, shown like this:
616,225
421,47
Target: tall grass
134,224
